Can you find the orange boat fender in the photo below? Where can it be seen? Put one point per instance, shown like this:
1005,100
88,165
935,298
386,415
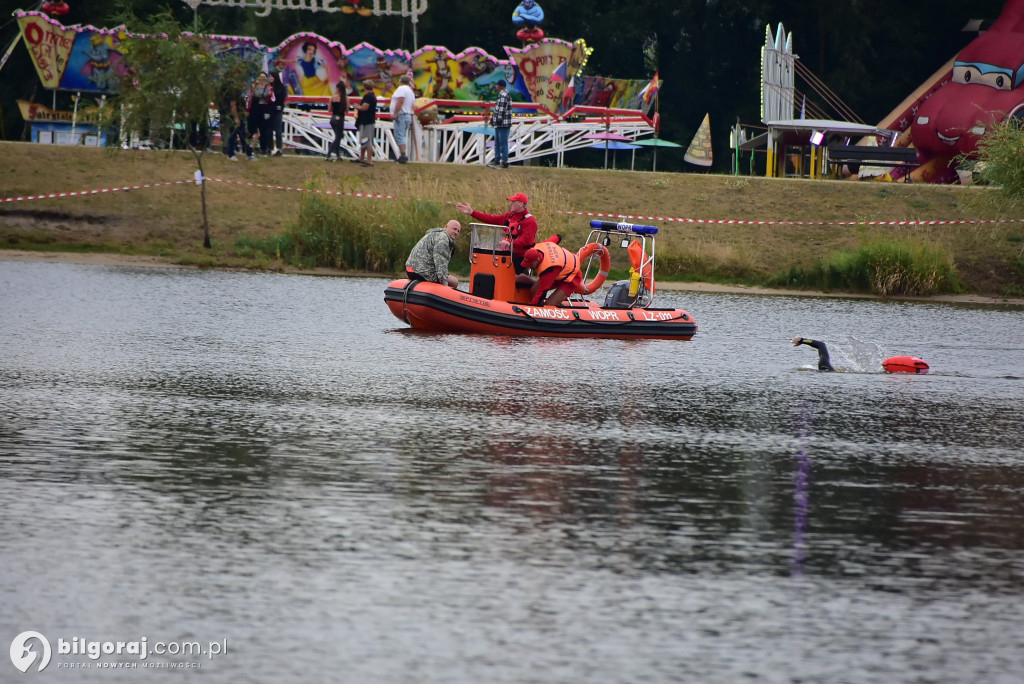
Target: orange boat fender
606,264
904,364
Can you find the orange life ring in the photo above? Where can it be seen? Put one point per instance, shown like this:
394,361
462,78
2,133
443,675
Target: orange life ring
606,264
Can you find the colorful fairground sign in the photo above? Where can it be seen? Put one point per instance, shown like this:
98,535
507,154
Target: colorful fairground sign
381,8
403,8
87,59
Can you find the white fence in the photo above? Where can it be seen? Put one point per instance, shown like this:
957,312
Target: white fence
466,141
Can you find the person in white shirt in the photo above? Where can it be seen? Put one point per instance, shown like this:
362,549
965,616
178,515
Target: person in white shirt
401,112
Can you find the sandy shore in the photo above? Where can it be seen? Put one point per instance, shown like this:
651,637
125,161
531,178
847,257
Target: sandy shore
106,259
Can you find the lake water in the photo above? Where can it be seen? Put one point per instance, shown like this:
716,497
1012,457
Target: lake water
272,467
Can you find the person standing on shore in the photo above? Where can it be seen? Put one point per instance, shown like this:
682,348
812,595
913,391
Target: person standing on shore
366,120
401,111
339,108
280,96
501,120
260,107
232,123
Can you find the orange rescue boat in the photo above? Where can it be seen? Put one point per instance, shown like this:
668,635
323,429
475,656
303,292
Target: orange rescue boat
496,304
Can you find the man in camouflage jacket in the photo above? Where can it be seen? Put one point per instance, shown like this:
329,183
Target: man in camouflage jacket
429,258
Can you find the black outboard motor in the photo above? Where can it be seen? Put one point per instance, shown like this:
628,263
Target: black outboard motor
618,296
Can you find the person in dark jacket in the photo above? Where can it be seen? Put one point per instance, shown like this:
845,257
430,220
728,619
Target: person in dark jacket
339,109
280,96
260,106
366,121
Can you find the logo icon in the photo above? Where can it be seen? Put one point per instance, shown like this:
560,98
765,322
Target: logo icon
22,654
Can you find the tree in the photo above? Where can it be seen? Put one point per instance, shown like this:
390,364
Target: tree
171,77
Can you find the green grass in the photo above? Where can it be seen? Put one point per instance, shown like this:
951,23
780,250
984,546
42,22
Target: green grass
255,226
885,268
349,234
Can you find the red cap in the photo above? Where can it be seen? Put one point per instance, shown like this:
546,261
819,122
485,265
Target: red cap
531,256
518,197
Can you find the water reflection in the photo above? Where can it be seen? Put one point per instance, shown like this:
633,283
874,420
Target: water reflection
289,468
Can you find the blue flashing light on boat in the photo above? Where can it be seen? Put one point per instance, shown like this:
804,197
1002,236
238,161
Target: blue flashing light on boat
626,227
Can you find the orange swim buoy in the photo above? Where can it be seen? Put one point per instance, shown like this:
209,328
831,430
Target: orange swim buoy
638,257
606,263
904,364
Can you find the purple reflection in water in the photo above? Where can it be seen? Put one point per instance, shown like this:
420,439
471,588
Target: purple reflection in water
801,495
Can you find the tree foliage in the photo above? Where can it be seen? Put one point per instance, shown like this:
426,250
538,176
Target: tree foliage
172,77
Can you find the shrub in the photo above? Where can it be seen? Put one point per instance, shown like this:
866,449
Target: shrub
884,267
350,234
1001,160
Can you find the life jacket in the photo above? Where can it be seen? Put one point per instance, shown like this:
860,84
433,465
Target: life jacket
553,256
514,228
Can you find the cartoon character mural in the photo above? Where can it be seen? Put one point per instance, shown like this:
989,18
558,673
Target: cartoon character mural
91,60
469,75
310,65
100,67
984,88
377,68
527,17
87,59
95,62
310,69
537,63
477,65
442,85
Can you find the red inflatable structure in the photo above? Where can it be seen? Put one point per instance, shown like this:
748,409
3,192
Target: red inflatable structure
982,87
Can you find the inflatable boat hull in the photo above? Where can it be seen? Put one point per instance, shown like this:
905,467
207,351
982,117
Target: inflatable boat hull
434,307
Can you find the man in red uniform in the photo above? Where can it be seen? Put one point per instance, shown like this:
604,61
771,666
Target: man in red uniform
520,225
557,268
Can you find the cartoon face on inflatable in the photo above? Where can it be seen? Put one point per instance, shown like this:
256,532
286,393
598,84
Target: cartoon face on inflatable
986,88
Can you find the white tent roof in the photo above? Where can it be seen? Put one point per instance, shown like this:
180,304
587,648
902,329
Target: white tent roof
826,126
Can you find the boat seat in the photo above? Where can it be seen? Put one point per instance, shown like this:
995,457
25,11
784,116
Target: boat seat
483,285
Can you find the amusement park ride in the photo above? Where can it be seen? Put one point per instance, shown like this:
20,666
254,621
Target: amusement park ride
555,107
919,141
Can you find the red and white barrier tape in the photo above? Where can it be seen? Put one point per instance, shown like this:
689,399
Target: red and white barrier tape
54,195
319,192
740,222
617,217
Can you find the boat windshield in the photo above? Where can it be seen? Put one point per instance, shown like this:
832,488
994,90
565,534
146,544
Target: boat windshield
489,239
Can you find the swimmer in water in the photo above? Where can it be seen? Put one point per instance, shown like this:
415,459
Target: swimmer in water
823,361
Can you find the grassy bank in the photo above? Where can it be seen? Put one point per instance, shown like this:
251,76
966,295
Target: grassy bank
256,224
